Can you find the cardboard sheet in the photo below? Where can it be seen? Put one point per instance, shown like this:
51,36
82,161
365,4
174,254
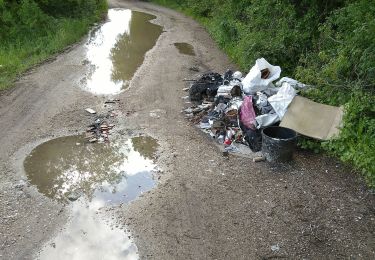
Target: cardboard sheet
313,119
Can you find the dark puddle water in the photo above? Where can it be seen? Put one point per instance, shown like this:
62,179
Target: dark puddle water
97,175
185,48
117,48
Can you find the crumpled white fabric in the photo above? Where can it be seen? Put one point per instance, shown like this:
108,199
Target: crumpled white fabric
253,81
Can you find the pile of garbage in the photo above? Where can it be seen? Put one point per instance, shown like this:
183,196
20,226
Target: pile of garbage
234,109
99,131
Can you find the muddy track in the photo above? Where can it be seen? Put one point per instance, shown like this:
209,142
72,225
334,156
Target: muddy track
205,206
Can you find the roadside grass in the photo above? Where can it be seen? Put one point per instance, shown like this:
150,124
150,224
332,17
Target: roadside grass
21,51
17,57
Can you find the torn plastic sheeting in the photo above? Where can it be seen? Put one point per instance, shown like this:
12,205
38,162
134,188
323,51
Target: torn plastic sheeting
247,114
267,120
312,119
254,82
282,99
263,105
294,83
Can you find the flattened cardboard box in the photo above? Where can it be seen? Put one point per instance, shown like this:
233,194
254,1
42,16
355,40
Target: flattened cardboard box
313,119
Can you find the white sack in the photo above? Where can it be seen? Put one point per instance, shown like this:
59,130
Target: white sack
253,81
282,99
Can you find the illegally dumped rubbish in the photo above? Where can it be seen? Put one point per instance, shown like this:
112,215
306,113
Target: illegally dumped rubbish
206,86
278,143
112,101
99,131
282,99
292,82
90,110
312,119
261,75
238,111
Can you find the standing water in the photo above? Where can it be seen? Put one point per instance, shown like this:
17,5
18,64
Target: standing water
185,48
117,48
94,176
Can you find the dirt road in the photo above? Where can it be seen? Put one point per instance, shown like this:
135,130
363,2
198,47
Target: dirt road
205,206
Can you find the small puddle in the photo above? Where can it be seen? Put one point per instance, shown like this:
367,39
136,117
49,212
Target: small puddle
185,48
116,49
93,176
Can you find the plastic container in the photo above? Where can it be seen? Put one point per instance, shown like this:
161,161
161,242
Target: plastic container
278,143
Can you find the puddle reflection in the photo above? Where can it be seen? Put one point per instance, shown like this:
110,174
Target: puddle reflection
117,49
99,175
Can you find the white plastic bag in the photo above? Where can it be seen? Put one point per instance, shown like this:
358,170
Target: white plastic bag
253,81
282,99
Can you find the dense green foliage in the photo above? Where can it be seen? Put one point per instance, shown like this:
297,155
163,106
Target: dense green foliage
327,44
32,30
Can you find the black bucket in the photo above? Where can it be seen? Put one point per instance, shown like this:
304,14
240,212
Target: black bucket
278,143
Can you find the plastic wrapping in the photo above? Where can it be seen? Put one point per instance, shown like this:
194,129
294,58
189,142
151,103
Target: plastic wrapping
260,76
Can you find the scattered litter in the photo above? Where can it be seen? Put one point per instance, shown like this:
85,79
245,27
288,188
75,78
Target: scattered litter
99,130
292,82
20,184
112,101
278,143
282,99
312,119
205,86
90,110
259,159
234,111
275,248
261,75
194,68
156,113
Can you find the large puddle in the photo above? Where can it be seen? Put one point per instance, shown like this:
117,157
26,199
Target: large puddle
93,176
117,48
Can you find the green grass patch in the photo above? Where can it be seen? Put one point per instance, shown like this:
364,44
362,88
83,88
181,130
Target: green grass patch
30,33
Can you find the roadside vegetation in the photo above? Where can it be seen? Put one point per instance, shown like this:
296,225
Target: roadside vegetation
327,44
33,30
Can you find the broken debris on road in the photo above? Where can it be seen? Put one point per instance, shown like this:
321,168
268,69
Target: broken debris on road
99,130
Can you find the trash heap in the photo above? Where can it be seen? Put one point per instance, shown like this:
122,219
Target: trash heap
99,131
234,109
